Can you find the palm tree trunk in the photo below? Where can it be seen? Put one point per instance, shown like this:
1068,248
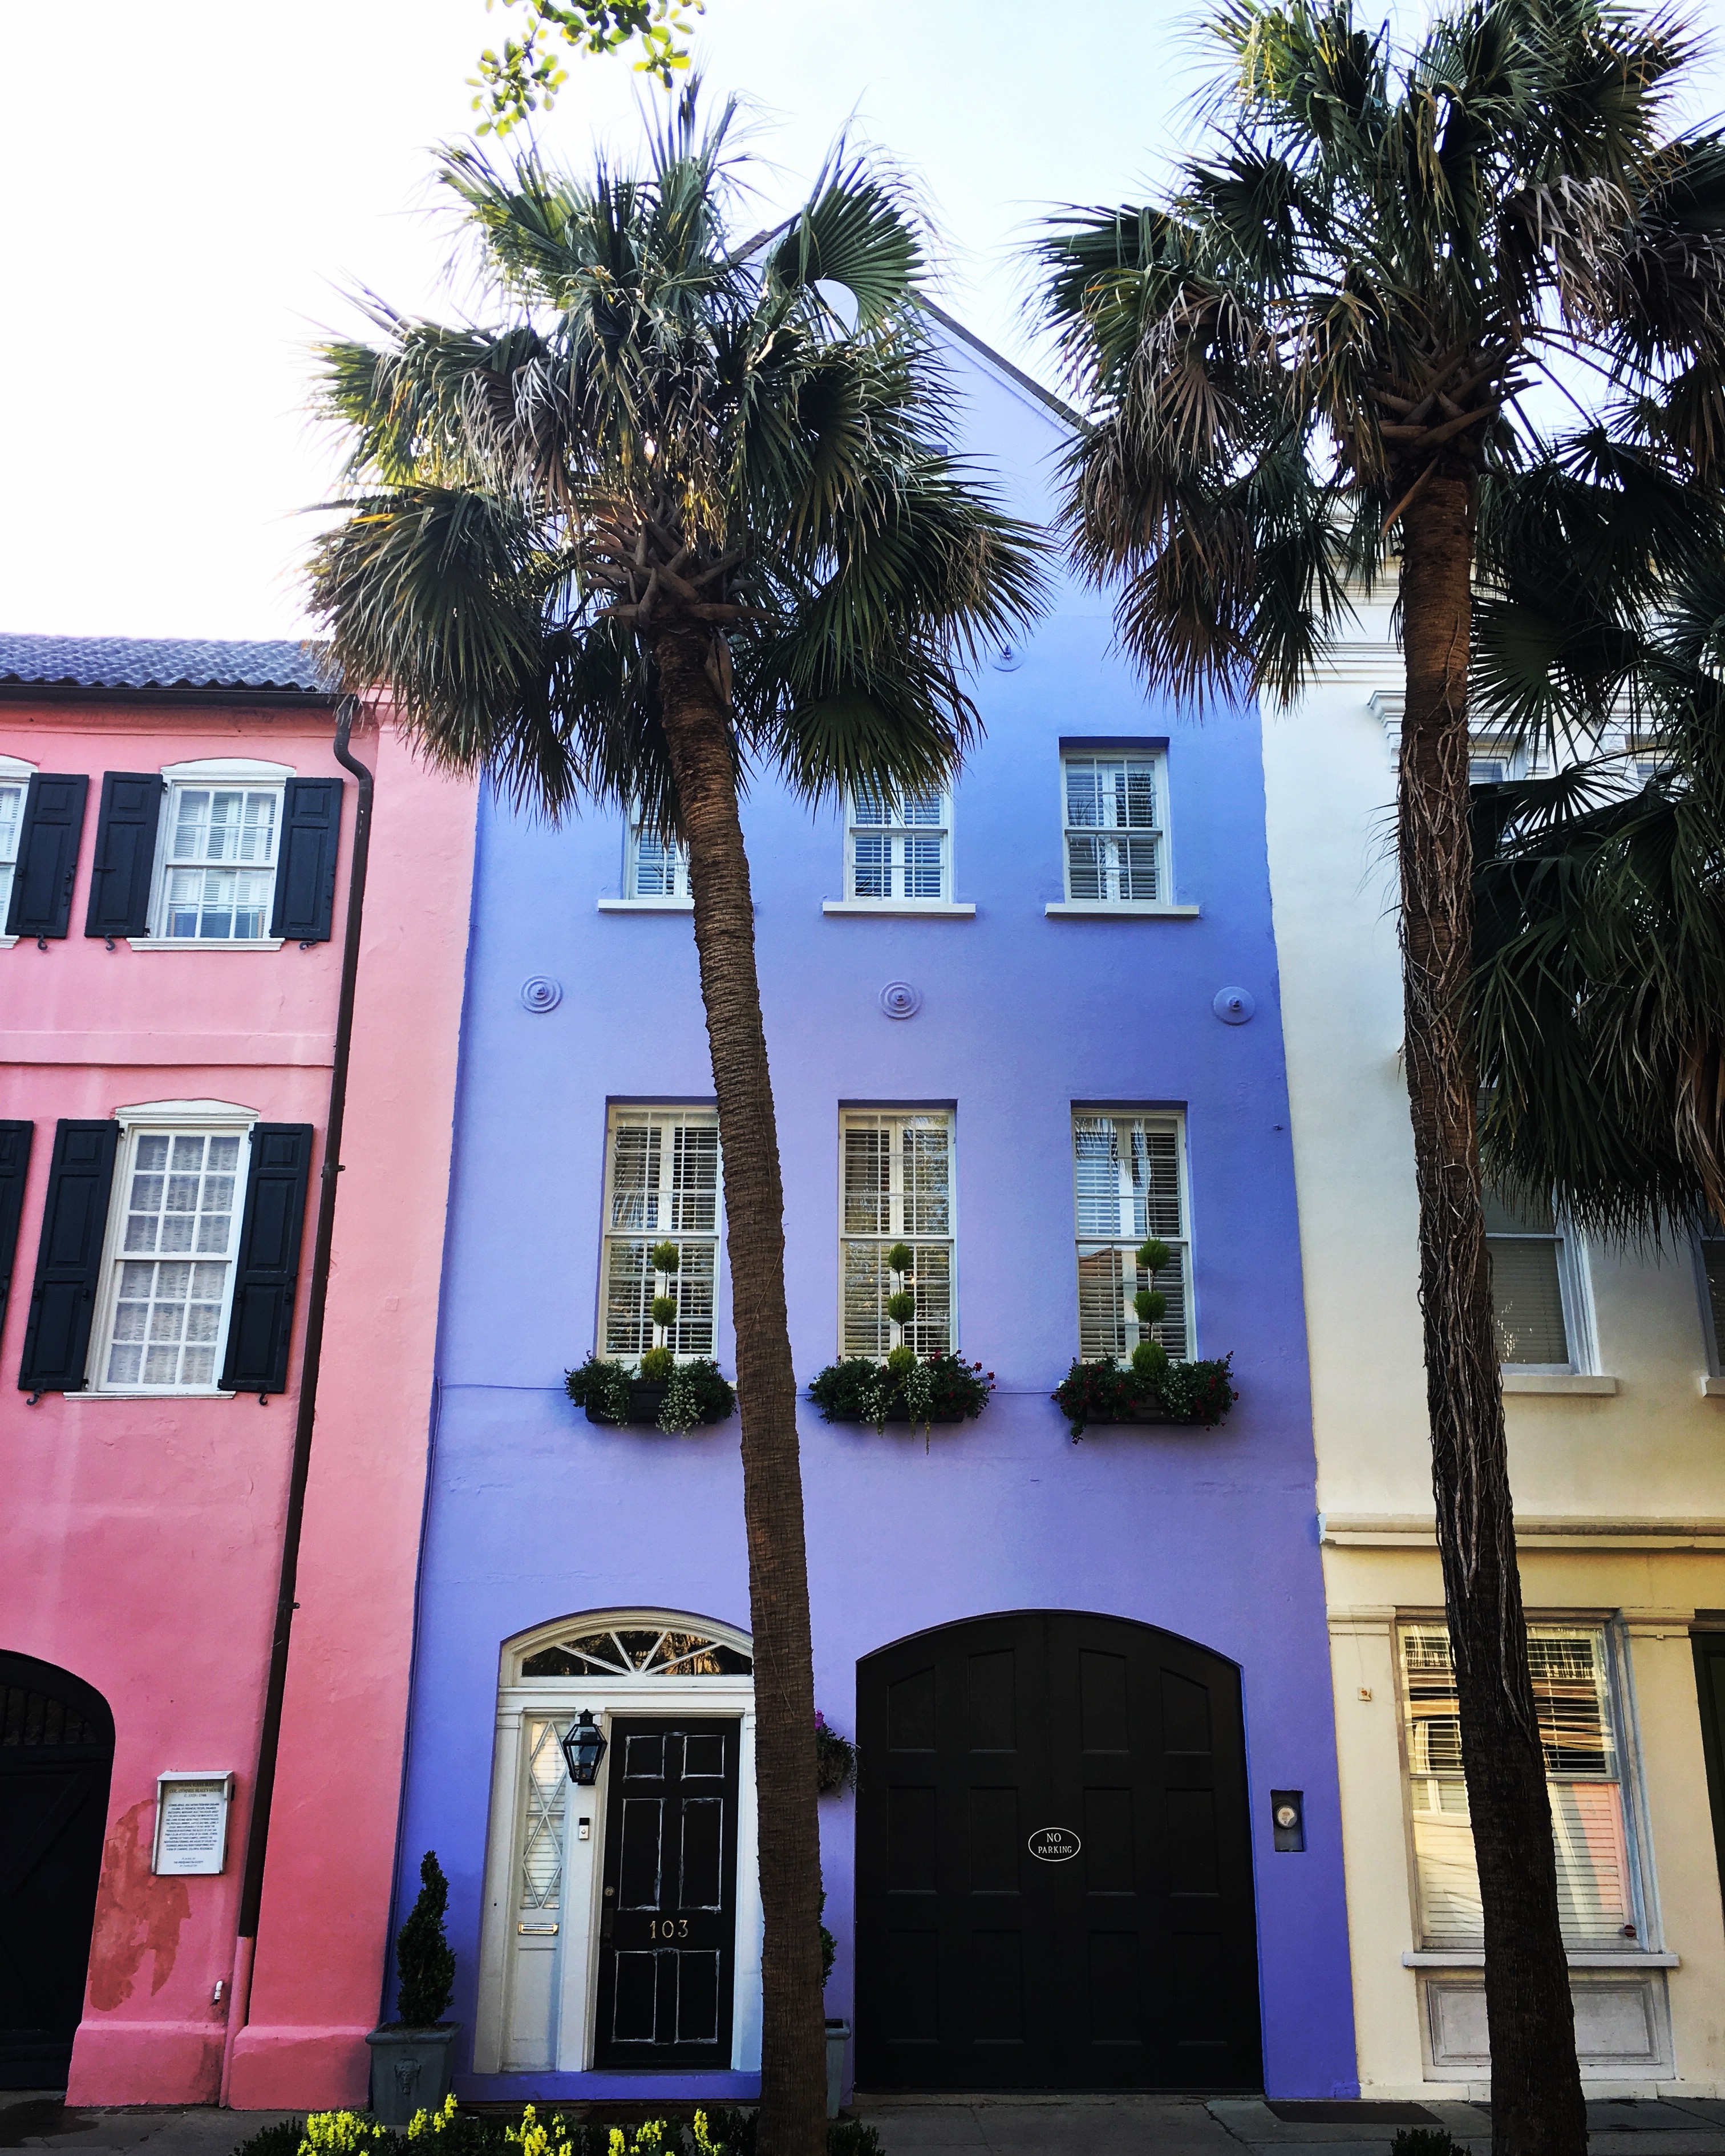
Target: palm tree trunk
1537,2107
793,2121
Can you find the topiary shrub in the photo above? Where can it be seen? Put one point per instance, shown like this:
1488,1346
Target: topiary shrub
425,1960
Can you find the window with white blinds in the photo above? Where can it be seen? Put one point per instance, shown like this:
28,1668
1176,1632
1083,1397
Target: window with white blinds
1572,1697
661,1186
896,1170
1129,1183
1113,835
654,867
898,846
1533,1291
13,790
218,873
1709,1253
165,1301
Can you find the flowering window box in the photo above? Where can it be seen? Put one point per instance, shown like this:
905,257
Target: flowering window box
932,1389
694,1396
1195,1395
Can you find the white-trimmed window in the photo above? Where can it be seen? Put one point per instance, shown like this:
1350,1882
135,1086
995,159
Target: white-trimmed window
1114,838
221,835
896,1170
173,1233
1572,1686
661,1186
898,847
1710,1269
654,868
14,785
1129,1184
1538,1292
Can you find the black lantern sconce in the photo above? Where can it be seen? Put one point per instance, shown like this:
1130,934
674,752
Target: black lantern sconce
583,1748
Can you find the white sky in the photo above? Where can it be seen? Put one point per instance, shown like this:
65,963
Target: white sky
195,185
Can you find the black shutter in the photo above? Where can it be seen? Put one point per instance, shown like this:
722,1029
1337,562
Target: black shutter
14,1160
127,826
263,1320
69,1258
305,874
48,854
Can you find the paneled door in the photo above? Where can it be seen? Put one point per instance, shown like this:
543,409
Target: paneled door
1054,1867
668,1921
56,1756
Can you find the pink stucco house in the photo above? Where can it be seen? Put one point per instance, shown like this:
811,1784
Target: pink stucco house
183,1016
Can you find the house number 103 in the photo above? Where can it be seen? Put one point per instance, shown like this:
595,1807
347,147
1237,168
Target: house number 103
668,1928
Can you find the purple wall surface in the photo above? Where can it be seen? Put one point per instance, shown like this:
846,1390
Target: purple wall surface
534,1512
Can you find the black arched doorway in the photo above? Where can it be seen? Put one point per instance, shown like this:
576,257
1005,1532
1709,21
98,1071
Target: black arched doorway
1054,1865
56,1758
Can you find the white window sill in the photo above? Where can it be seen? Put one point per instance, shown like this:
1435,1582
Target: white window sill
7,941
204,943
188,1393
1101,909
1569,1383
1712,1388
646,905
1464,1958
910,909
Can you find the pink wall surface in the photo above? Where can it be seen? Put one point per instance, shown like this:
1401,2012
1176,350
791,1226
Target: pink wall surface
144,1536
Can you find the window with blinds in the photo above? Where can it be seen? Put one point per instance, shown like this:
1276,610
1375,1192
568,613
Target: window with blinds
1572,1697
654,868
1530,1302
1710,1256
1113,828
896,1170
1129,1183
661,1186
898,846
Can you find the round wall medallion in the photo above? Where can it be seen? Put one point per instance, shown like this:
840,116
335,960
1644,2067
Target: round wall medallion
1233,1006
899,1000
540,993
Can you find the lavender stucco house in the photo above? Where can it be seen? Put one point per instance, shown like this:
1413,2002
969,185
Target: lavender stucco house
1000,1031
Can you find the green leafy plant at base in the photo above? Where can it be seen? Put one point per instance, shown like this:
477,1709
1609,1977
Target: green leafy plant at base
425,1960
1107,1391
834,1759
600,1385
697,1393
714,2130
931,1388
656,1367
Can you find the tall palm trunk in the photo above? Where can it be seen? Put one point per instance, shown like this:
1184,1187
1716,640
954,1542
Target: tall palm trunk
1537,2107
793,2053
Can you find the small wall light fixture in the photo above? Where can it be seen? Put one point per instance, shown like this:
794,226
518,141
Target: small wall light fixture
583,1748
1287,1819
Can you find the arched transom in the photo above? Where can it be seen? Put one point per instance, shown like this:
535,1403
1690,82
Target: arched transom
638,1650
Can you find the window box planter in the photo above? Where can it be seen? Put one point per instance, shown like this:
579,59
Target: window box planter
1195,1394
919,1392
694,1396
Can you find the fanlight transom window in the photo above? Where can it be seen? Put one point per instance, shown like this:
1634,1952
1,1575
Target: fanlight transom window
639,1652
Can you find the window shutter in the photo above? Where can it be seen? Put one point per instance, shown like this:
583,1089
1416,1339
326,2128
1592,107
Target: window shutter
261,1324
126,827
305,874
14,1161
69,1258
48,854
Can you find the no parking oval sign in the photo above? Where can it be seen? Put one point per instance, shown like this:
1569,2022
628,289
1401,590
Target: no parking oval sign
1055,1845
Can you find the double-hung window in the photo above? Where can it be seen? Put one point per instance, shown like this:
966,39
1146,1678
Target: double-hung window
1115,830
1571,1668
1537,1289
14,785
661,1186
898,847
219,860
1710,1265
1129,1179
896,1175
654,868
172,1242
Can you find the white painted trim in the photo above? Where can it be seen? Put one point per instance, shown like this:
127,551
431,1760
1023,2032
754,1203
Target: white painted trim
227,771
1712,1388
1097,909
204,943
1569,1383
908,909
14,767
1462,1958
189,1393
188,1115
646,905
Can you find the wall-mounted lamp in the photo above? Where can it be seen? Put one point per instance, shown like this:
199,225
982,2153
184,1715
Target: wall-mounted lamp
583,1748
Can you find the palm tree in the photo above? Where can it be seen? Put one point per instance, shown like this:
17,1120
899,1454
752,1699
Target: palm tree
1309,367
687,510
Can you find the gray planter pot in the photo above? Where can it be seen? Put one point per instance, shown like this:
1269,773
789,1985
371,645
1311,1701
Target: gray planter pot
411,2070
837,2036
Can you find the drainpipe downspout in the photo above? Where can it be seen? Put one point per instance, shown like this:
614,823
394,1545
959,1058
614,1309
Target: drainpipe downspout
251,1891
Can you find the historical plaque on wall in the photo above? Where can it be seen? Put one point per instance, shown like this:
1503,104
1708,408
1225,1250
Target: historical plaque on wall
191,1823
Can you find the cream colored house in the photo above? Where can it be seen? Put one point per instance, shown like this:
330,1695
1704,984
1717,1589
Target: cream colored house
1616,1414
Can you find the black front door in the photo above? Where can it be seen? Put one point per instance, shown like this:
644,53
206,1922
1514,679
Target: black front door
667,1931
1054,1868
56,1755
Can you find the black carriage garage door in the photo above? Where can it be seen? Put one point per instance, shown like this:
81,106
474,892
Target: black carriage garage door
1054,1869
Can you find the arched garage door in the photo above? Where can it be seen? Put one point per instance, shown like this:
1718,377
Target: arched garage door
1053,1870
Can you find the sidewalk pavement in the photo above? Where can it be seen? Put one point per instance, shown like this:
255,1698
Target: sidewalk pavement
986,2126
